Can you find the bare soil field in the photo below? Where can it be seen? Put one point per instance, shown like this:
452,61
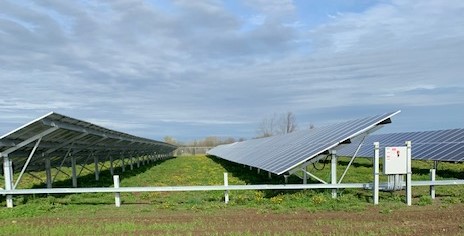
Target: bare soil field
415,220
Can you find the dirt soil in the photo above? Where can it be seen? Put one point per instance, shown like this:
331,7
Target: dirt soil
414,220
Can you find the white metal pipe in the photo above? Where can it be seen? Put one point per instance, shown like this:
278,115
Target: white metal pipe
408,175
117,195
8,176
352,159
27,162
334,172
313,176
226,192
432,187
219,188
375,188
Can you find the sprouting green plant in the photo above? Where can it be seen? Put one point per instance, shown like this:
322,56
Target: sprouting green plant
425,200
318,199
277,199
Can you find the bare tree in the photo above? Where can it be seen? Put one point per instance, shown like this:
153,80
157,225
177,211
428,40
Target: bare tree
287,123
170,139
277,124
267,127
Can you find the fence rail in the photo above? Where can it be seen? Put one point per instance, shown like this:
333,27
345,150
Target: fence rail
117,190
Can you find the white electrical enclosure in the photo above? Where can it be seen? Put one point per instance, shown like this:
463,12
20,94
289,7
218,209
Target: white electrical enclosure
395,160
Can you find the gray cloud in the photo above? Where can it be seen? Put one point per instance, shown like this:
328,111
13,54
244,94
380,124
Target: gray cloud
200,68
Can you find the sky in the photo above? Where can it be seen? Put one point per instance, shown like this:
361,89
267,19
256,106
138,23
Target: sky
190,69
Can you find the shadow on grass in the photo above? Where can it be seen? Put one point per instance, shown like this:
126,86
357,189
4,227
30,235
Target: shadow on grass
445,173
252,177
354,164
88,180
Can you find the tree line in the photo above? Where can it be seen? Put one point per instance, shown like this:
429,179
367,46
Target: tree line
276,124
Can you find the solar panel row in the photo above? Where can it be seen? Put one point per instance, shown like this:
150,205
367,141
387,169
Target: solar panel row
58,135
282,153
439,145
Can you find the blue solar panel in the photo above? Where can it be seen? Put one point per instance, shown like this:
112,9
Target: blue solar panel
282,153
439,145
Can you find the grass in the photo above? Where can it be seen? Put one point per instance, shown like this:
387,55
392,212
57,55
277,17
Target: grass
82,213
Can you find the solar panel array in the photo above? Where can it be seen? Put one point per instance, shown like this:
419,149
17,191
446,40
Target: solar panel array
439,145
62,134
282,153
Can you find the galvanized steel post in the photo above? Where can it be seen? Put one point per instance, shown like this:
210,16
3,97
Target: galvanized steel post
226,192
74,172
432,178
8,175
305,175
432,187
48,171
408,175
97,171
111,165
334,172
117,196
375,187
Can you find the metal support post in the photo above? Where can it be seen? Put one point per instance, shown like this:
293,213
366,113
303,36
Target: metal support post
352,159
286,179
8,175
305,175
48,171
111,165
97,171
334,172
258,170
74,172
432,187
433,173
251,168
27,162
408,175
375,187
123,165
131,162
117,196
138,162
226,183
269,175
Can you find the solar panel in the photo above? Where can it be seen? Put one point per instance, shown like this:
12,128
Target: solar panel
282,153
59,134
439,145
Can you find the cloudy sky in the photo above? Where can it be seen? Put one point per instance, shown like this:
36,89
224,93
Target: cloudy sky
190,69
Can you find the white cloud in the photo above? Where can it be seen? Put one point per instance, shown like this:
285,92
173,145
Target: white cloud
193,64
